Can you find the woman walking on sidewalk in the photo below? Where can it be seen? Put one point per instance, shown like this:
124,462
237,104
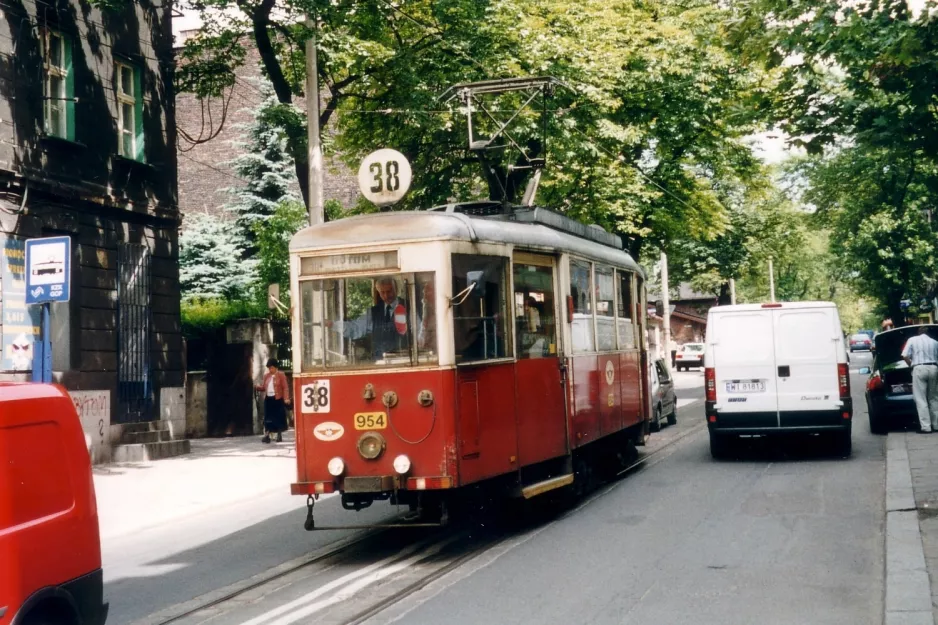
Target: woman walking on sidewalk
276,399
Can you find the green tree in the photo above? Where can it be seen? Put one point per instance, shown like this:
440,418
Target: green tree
211,262
856,88
273,244
267,170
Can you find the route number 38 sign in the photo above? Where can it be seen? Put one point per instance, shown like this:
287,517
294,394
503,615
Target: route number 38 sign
384,177
315,397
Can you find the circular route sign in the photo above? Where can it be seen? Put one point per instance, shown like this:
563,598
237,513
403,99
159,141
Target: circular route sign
400,319
384,177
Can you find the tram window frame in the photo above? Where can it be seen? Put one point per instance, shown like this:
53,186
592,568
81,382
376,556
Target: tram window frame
315,313
545,343
605,339
463,299
626,339
582,307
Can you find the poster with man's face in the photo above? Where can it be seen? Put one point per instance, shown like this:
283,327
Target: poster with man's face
20,322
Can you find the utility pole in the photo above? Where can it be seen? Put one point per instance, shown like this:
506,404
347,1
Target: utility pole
666,302
316,211
771,280
733,291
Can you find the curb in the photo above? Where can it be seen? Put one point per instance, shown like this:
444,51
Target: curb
908,590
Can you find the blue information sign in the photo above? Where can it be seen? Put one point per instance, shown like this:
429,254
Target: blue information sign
48,267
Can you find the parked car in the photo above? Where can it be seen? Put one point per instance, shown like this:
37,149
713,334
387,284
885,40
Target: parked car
860,341
889,388
777,368
50,550
690,355
869,333
663,399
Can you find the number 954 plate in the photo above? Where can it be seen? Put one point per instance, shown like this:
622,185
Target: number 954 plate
371,420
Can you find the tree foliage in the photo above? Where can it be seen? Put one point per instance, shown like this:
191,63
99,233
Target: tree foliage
856,88
266,167
211,262
273,245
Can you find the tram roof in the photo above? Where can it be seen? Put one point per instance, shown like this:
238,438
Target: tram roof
416,226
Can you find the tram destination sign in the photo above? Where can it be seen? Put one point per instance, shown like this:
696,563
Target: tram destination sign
341,263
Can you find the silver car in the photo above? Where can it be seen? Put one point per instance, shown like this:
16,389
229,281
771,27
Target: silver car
663,399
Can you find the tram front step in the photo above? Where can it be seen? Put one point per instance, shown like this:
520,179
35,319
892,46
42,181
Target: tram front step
539,488
147,452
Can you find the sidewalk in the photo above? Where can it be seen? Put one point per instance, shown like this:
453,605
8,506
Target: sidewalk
922,452
217,473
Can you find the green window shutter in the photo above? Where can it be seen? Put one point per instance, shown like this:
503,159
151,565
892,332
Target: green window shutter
69,90
138,115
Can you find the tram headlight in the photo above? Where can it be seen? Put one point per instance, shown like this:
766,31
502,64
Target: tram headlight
371,445
402,464
336,467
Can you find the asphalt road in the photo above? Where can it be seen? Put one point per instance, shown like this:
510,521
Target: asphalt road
785,533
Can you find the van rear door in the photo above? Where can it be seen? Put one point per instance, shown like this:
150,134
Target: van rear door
742,356
806,344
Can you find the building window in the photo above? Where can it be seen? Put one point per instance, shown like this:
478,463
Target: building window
58,86
129,112
134,384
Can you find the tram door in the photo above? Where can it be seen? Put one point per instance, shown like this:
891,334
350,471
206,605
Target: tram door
539,391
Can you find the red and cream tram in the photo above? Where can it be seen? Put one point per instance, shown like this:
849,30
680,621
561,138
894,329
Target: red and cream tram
465,345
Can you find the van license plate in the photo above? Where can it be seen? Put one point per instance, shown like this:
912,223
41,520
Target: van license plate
898,389
755,386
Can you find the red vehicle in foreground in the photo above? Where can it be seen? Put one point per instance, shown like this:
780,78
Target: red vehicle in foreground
50,550
463,346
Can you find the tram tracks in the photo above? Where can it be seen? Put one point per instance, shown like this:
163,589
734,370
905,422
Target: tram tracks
370,590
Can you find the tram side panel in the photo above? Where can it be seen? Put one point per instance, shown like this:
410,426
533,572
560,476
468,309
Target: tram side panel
541,414
422,430
487,436
610,404
584,413
630,385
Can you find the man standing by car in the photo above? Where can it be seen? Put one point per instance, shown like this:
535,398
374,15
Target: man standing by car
921,353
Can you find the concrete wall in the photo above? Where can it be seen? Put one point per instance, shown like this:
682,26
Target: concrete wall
196,404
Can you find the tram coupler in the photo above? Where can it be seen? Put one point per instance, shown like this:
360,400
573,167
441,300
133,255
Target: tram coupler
309,525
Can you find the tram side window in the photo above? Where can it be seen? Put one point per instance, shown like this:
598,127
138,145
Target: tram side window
534,311
605,308
625,311
480,307
581,289
311,327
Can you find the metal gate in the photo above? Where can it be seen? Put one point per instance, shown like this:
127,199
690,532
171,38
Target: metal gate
134,381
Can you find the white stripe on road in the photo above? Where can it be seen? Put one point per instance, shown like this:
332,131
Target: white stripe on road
310,603
687,401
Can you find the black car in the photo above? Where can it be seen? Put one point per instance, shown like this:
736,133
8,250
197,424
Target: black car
889,389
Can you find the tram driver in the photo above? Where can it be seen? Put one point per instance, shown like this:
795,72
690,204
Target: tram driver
380,322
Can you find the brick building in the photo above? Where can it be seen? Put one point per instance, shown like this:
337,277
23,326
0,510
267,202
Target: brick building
87,150
205,172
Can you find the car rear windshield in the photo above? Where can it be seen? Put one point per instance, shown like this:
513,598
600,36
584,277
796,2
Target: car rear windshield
694,347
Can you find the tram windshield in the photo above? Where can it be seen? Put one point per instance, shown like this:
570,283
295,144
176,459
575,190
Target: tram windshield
365,322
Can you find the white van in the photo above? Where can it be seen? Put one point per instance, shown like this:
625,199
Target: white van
774,368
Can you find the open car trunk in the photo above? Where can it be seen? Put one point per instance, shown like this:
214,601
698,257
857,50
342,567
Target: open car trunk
896,374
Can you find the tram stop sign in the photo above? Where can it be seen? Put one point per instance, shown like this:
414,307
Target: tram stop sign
48,268
384,177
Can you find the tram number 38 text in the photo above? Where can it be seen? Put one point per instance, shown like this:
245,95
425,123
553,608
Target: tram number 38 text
387,178
315,397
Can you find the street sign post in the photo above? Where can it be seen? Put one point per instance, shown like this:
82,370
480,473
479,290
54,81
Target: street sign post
48,275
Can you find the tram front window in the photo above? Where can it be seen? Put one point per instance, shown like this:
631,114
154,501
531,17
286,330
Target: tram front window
369,321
